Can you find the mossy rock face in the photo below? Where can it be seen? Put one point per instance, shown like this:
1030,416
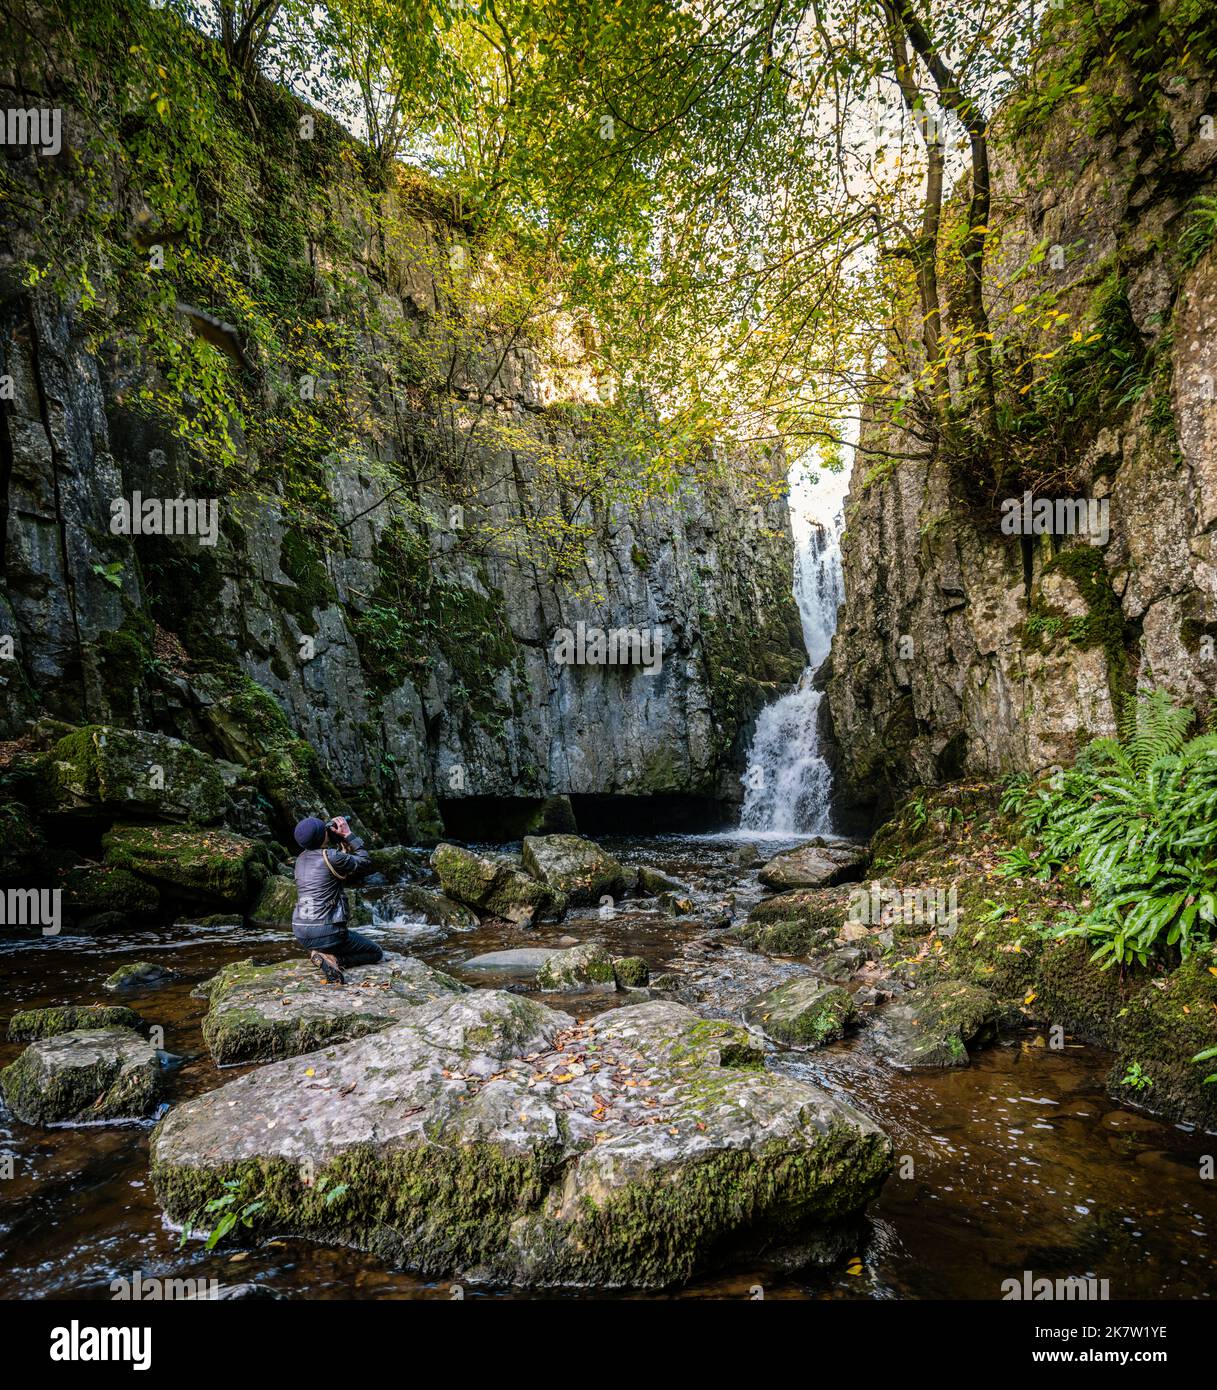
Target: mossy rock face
582,967
32,1024
1003,956
573,869
1167,1022
105,888
935,1025
21,844
491,883
1077,993
125,771
803,1012
86,1075
140,975
212,864
465,1142
264,1012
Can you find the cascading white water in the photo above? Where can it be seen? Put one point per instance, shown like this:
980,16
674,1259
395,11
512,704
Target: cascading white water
787,783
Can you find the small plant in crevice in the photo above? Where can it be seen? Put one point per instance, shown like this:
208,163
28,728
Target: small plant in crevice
1136,817
1135,1079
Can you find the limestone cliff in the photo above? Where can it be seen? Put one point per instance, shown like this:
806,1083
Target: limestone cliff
408,642
962,651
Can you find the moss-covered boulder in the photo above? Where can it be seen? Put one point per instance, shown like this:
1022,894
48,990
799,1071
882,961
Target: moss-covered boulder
260,1012
276,902
140,975
814,866
86,1075
799,936
630,972
653,882
211,864
934,1026
581,967
132,772
30,1024
397,861
491,883
573,868
473,1141
93,888
803,1012
800,905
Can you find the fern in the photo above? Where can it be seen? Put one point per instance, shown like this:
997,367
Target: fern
1137,816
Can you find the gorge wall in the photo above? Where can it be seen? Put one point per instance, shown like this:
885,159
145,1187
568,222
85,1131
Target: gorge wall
402,657
962,651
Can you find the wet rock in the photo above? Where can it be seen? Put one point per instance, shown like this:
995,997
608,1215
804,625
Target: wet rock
839,964
471,1140
31,1024
212,921
276,902
745,856
803,1012
797,937
800,905
814,866
396,861
630,972
492,883
525,960
140,975
573,868
676,904
935,1025
211,864
582,967
259,1012
413,903
128,771
90,1074
652,882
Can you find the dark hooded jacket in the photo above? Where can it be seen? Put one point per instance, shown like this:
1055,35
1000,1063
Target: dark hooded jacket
320,915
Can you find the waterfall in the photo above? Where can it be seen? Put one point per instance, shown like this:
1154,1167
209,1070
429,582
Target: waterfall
787,782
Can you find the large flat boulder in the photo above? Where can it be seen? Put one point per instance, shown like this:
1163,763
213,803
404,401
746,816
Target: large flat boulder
211,864
491,883
86,1075
490,1138
132,772
934,1026
260,1012
574,868
803,1012
814,866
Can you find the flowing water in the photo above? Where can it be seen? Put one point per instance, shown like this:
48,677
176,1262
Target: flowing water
787,782
1018,1162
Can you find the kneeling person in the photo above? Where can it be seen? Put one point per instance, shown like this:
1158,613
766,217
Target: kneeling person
331,857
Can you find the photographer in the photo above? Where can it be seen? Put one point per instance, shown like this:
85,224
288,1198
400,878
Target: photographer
331,857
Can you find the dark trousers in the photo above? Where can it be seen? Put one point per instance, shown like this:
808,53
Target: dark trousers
347,947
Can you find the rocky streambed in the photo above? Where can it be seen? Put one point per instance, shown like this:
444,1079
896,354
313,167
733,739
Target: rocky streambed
643,1068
